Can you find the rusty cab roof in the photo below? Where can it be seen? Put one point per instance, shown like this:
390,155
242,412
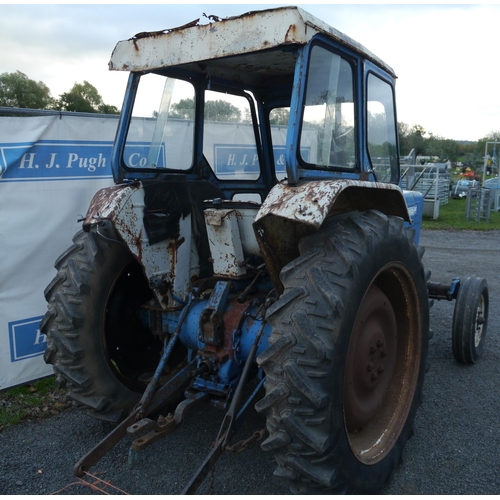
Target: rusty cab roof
240,49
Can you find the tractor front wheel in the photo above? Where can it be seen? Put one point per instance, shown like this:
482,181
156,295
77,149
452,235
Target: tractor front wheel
470,320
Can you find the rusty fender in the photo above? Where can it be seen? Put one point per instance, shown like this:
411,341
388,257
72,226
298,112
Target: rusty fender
106,201
292,212
124,206
114,204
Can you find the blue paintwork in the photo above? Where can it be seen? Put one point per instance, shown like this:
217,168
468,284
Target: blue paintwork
242,340
415,203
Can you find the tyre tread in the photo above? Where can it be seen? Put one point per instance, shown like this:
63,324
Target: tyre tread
64,323
299,430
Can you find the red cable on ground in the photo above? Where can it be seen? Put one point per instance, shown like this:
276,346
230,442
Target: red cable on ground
96,485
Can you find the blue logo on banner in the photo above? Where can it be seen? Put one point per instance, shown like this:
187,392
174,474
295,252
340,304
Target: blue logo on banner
60,160
26,341
64,160
238,159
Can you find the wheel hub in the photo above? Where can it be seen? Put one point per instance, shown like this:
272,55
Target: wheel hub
478,333
371,359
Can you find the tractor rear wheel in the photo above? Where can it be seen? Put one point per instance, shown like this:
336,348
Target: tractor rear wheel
347,355
99,348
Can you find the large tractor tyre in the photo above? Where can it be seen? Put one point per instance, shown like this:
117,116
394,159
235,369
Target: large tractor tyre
347,356
470,320
99,348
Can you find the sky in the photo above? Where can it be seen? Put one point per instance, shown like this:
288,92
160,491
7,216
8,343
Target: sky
445,56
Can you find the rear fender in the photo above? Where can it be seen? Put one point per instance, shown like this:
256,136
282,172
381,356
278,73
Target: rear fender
291,212
167,268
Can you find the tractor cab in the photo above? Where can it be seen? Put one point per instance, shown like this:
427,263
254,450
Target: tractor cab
287,100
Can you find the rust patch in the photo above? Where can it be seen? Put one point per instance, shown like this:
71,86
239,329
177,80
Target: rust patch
175,244
172,250
103,204
218,354
154,34
290,34
364,176
232,320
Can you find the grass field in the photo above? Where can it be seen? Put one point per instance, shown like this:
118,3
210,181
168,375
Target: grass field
35,400
452,216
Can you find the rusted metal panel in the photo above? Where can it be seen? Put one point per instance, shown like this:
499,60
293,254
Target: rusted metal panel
165,263
291,212
106,202
310,202
245,216
233,318
211,319
225,242
195,43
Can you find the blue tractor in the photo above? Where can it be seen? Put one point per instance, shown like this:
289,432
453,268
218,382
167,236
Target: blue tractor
256,234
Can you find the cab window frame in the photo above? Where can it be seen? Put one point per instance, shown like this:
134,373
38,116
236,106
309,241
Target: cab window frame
353,63
394,161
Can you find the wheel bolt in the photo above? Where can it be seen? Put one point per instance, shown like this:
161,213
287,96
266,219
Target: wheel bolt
372,349
380,343
380,369
383,354
369,367
374,376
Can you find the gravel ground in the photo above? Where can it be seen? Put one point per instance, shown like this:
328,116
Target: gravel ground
455,449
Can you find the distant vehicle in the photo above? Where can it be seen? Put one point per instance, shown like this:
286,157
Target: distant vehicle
460,188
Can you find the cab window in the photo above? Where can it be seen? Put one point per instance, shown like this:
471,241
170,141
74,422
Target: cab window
327,137
229,143
382,130
161,132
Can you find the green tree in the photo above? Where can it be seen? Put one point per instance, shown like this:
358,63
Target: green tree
493,136
222,111
85,98
182,110
108,109
217,111
403,131
416,140
446,149
19,91
279,116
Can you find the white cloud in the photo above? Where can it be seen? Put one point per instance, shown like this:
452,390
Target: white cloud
444,55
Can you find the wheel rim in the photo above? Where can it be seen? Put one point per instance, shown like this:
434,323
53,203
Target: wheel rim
372,357
479,325
382,364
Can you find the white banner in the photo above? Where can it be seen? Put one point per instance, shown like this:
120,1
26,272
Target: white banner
50,167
